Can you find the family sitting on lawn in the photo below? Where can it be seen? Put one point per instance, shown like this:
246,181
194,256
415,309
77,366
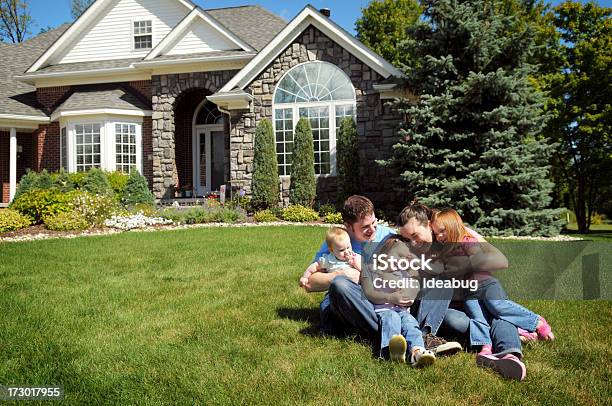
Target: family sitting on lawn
404,320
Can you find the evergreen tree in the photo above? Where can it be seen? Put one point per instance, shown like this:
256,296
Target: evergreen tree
473,141
137,191
265,168
347,158
303,186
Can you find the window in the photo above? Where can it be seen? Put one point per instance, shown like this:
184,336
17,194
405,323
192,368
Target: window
110,144
322,93
125,147
209,114
63,149
143,34
284,139
87,146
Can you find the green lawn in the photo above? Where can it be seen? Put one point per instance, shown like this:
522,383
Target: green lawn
215,316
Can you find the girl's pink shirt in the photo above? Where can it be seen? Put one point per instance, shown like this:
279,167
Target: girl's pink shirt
470,239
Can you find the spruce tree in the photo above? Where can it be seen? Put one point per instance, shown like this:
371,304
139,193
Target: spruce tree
303,186
265,168
473,140
347,157
137,191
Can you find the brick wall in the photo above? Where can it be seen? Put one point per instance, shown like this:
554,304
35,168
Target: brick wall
52,97
48,147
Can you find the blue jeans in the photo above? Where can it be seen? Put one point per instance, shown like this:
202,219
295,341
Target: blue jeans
433,304
345,309
393,323
494,298
504,336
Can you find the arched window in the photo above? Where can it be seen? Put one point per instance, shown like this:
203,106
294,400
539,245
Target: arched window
324,94
209,114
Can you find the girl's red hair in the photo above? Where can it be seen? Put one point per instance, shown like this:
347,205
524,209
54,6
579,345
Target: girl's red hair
452,223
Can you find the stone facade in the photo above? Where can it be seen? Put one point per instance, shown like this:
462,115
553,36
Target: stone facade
375,125
166,91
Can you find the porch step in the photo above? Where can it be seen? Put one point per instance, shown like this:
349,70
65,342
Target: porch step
183,201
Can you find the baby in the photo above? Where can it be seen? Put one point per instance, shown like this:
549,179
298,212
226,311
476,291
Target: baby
340,255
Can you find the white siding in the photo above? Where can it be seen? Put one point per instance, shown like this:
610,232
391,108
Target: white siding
201,37
111,35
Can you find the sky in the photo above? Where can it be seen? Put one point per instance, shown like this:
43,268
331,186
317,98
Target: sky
52,13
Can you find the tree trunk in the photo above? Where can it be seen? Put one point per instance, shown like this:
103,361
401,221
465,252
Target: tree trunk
581,214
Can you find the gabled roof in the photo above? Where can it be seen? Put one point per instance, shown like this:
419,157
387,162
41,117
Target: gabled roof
309,16
254,24
179,31
17,98
86,18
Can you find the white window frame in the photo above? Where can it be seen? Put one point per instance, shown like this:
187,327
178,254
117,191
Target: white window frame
108,160
64,147
332,125
331,104
134,35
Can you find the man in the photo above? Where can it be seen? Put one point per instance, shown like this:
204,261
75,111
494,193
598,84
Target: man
344,309
414,224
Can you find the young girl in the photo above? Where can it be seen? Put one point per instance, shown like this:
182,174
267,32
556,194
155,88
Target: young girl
392,290
448,227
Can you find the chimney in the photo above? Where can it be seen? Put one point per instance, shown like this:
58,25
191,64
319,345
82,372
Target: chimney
326,12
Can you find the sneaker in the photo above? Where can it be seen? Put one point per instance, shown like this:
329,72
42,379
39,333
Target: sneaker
397,348
486,349
544,330
508,366
527,336
421,357
440,346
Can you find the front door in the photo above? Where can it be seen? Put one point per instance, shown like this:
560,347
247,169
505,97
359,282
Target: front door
209,165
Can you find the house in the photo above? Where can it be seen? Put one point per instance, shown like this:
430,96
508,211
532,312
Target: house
175,91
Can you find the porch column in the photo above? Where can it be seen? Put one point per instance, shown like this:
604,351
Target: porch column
12,164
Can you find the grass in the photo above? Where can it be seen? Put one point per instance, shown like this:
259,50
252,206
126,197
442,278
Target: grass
597,232
215,316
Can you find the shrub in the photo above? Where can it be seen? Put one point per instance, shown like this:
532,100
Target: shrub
62,181
264,216
11,220
96,182
227,215
300,214
117,181
347,160
265,168
78,179
137,191
144,208
34,180
326,209
277,211
45,181
39,203
302,187
333,218
242,202
69,221
94,208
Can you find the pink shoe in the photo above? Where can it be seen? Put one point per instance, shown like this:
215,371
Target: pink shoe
526,336
486,349
544,331
508,366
